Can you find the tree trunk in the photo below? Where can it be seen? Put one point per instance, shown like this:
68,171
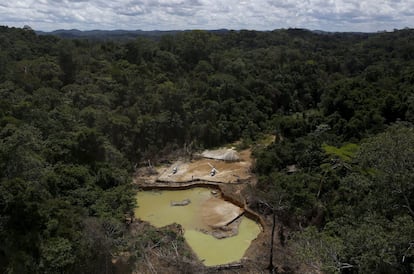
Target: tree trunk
271,267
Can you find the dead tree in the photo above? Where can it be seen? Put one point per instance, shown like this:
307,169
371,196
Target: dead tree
272,269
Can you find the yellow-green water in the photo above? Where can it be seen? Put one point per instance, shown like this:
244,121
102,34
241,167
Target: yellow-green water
154,207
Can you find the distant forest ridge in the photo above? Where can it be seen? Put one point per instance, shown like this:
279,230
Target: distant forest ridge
132,34
116,34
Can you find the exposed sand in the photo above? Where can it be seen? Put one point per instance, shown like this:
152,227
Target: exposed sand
227,172
221,154
216,212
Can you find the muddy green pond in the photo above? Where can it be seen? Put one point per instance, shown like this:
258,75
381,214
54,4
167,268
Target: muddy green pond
155,208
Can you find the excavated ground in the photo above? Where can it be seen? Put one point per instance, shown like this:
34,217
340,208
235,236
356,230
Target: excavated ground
217,213
232,178
200,169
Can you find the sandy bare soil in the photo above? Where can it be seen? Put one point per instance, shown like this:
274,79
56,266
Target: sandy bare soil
200,169
216,212
225,154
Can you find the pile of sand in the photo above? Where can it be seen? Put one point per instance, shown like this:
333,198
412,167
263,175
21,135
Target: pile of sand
217,213
229,155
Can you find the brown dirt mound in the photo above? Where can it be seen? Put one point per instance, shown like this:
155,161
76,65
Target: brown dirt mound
217,212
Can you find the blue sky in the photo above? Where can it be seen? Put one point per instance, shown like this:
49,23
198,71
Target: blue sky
328,15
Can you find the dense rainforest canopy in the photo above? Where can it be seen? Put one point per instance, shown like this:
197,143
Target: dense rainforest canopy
77,116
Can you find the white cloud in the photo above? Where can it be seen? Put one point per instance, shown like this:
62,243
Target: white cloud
331,15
